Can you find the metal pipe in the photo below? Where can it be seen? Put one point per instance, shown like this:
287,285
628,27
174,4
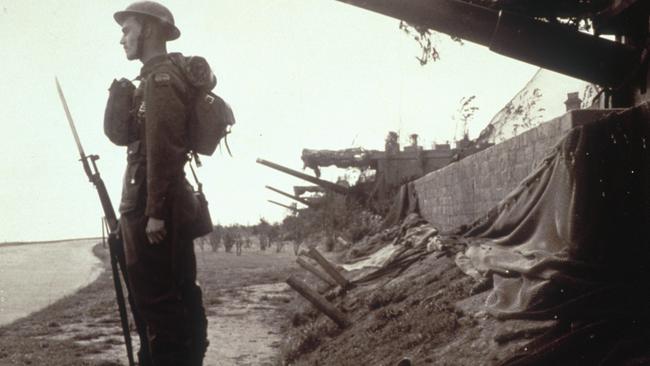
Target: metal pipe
322,183
285,206
295,198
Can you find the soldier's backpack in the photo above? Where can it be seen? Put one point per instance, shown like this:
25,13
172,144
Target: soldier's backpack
211,117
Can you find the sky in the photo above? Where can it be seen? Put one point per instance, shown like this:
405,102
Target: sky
298,74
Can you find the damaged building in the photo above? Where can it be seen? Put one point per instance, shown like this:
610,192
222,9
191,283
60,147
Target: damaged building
394,166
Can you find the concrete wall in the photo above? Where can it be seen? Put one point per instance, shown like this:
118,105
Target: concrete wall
463,191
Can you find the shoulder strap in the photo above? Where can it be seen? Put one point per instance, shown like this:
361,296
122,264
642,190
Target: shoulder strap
195,157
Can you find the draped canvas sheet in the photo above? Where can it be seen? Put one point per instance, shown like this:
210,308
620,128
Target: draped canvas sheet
576,231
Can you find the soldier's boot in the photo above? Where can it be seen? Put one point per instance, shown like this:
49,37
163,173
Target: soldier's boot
193,299
144,357
197,353
170,354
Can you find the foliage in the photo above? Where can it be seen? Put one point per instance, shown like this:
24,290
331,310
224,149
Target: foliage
215,237
465,112
526,114
229,236
574,13
334,216
426,39
266,233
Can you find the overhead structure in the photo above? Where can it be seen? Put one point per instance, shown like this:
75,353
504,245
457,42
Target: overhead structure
551,45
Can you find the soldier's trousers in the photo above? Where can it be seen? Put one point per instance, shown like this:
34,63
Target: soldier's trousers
163,280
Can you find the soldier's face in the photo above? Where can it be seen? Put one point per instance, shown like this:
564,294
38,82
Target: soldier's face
131,29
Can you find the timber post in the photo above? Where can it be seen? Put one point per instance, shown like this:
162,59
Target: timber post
329,268
315,271
319,302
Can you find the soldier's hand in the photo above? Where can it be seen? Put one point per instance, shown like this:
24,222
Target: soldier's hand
155,230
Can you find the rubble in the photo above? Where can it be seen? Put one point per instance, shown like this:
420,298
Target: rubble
411,298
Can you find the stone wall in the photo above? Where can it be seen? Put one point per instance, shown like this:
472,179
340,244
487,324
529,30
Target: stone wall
463,191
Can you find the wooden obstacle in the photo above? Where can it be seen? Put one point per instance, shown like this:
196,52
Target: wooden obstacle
315,271
319,302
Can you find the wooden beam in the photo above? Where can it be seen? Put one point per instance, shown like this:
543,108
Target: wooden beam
295,198
285,206
315,271
319,302
329,268
345,243
319,182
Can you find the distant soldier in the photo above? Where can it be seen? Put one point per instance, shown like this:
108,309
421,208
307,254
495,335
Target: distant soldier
247,242
239,241
157,204
214,240
263,242
228,240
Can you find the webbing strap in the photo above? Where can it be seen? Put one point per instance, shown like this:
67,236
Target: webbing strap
194,157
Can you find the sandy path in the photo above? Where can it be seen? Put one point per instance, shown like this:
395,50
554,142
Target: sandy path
243,329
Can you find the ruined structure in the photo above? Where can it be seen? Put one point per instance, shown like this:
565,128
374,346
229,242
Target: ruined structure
393,166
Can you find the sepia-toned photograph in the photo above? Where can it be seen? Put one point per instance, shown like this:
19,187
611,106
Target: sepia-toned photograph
325,183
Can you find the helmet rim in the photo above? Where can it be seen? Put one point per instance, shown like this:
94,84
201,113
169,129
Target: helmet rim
166,18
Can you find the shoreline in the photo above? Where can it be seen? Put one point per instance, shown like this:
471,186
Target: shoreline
83,329
25,243
36,339
35,276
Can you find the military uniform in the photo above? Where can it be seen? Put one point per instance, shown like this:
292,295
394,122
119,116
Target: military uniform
163,275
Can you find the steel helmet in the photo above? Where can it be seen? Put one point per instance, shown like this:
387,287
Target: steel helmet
154,10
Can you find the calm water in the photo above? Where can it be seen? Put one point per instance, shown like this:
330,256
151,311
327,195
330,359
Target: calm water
36,275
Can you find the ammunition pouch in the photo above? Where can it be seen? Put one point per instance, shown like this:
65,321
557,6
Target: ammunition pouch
202,225
118,115
192,212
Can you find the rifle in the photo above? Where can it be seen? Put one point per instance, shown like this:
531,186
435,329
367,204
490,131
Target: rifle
115,246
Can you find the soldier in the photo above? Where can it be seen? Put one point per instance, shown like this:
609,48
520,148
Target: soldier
158,204
238,244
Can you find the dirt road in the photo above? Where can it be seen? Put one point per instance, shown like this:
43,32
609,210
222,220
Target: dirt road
244,330
246,315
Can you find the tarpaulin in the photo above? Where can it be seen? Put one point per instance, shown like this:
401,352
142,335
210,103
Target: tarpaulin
405,203
572,242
